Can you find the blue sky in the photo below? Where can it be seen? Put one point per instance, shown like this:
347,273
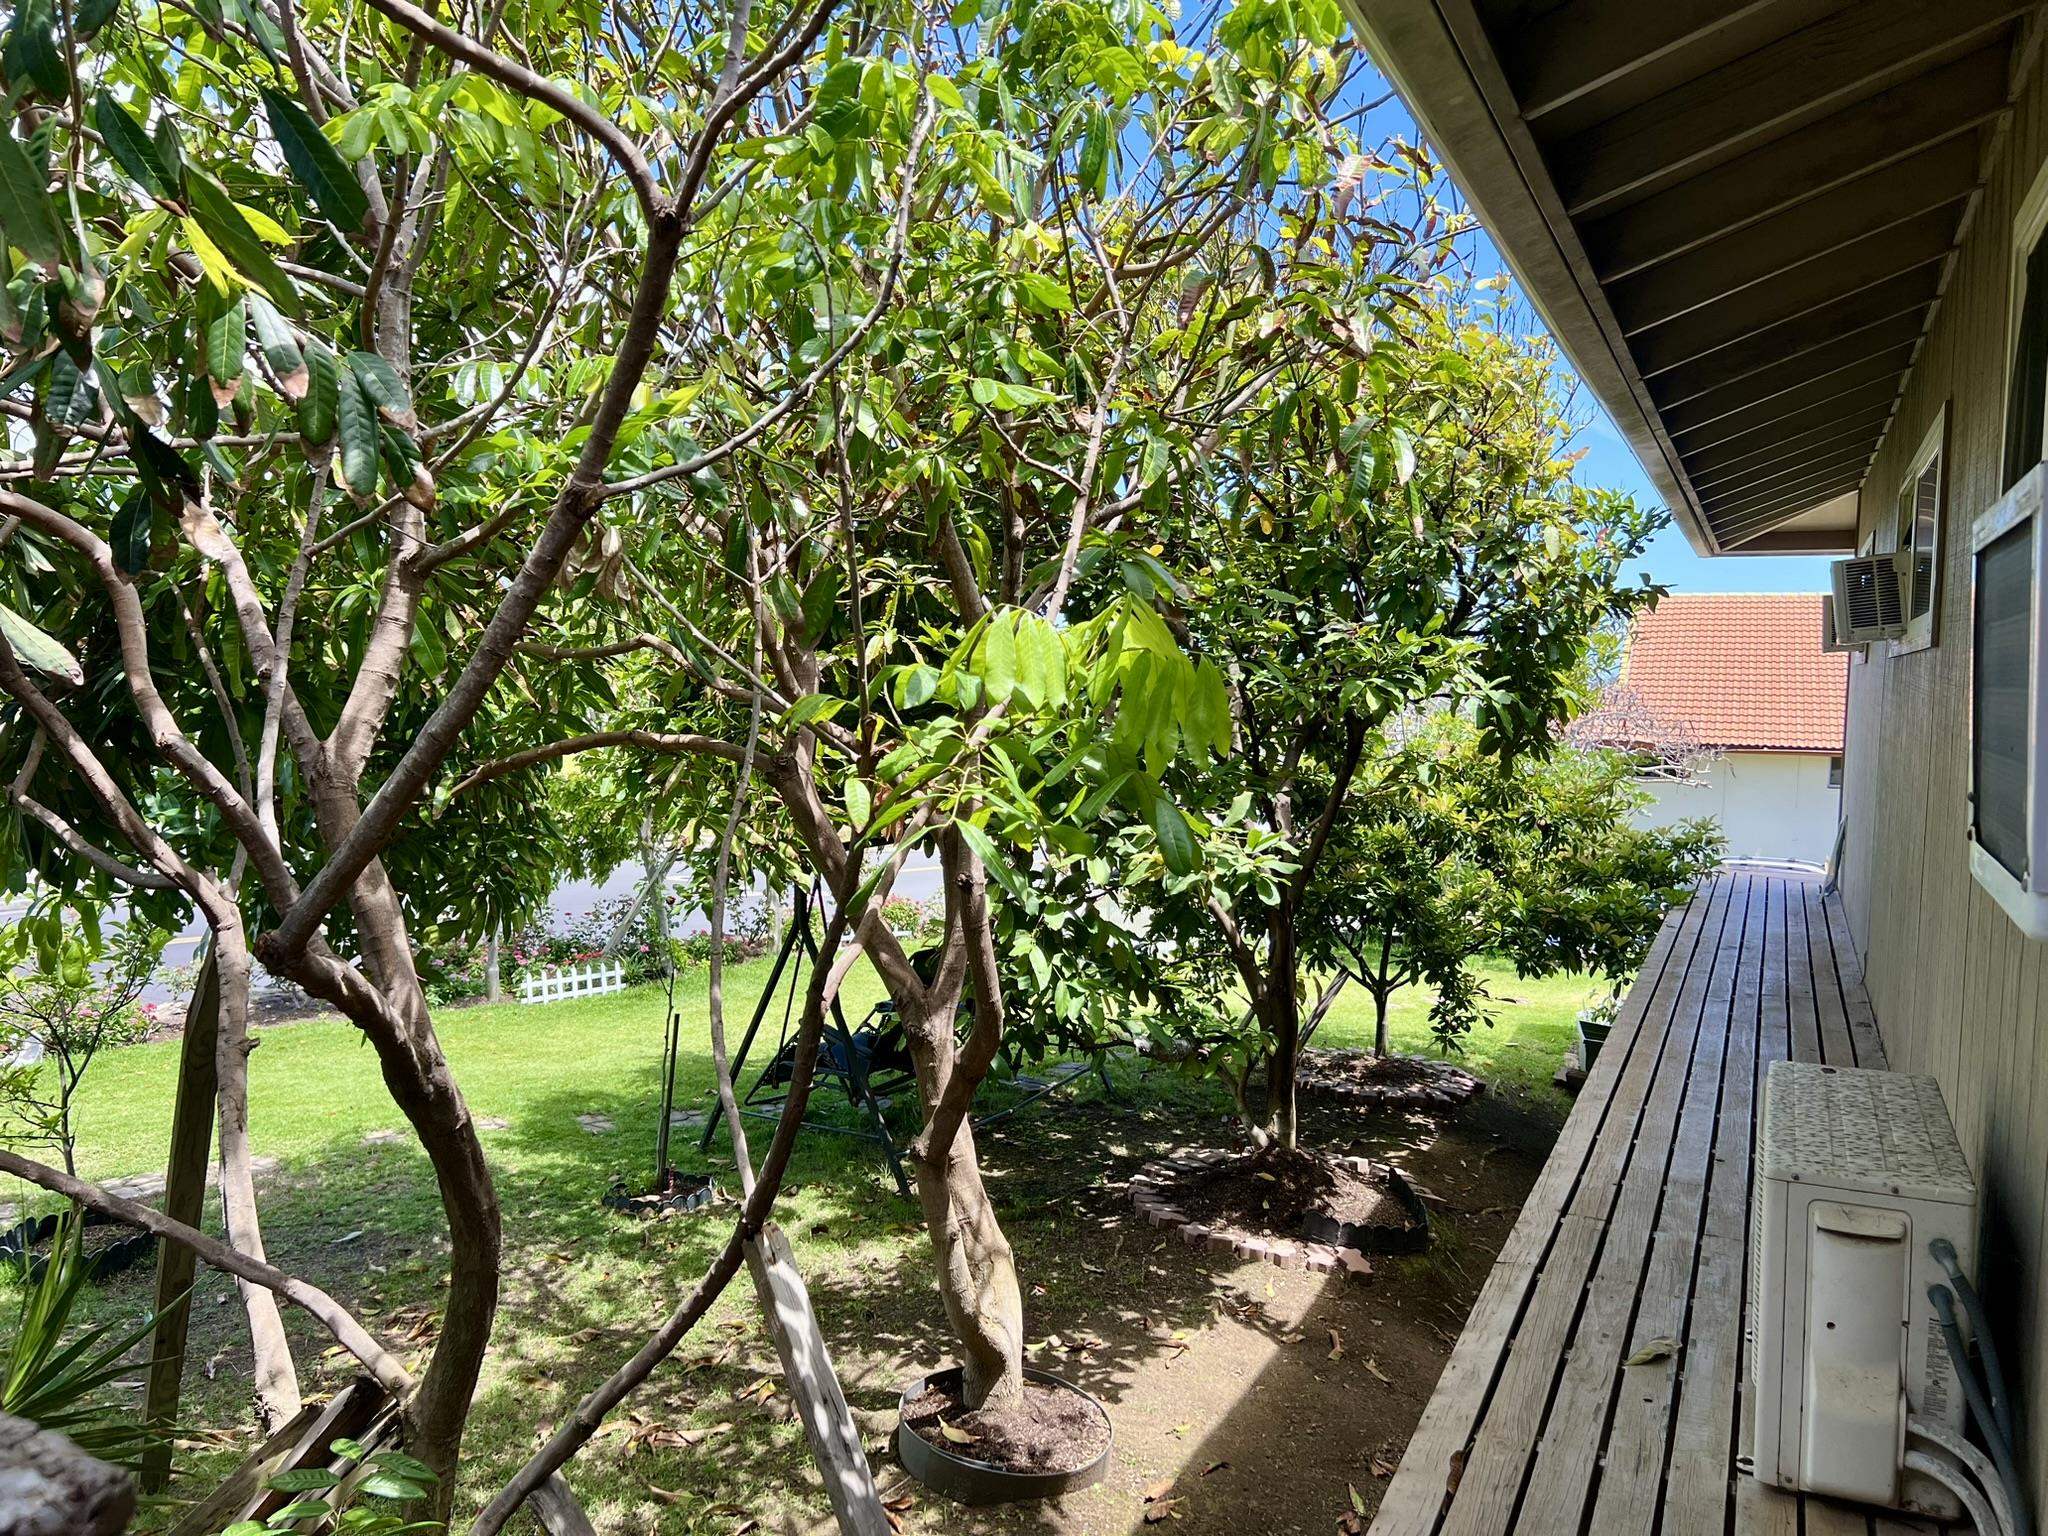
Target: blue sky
1671,560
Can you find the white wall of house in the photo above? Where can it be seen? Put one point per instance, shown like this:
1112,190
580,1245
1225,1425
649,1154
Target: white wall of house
1770,805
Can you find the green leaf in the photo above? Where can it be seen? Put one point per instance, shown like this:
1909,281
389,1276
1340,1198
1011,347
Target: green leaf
858,802
319,407
382,386
818,600
25,211
992,860
812,706
215,213
404,1466
1095,153
1176,838
280,347
37,651
305,1480
227,340
131,147
92,15
916,685
132,532
355,426
32,49
998,661
384,1485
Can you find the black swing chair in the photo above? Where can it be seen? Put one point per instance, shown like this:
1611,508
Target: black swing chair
868,1064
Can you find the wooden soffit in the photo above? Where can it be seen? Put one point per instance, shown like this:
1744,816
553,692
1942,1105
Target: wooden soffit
1736,218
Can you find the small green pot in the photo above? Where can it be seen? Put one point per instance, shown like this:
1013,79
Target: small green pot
1591,1039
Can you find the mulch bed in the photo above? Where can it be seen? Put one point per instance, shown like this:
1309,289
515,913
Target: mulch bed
1056,1430
1386,1082
1303,1210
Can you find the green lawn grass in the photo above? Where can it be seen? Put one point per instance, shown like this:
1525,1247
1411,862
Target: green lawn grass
581,1285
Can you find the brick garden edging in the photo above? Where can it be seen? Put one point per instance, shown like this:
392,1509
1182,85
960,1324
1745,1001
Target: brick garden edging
1151,1195
1444,1086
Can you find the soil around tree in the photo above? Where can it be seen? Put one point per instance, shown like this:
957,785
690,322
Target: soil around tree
1386,1082
1300,1208
1055,1429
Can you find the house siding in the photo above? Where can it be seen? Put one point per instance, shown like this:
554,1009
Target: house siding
1769,805
1958,992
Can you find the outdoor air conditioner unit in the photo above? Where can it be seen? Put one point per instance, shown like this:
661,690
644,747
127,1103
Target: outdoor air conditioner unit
1869,602
1857,1172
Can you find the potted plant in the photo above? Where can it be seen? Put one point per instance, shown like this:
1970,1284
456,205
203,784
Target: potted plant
1595,1021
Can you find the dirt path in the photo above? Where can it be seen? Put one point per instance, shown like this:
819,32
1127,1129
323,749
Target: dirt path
1251,1400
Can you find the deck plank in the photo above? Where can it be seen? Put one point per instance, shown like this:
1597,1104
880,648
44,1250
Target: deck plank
1568,1451
1635,1231
1639,1433
1855,999
1416,1497
1622,1187
1836,1045
1704,1433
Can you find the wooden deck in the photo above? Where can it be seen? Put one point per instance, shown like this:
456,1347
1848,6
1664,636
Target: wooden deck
1637,1230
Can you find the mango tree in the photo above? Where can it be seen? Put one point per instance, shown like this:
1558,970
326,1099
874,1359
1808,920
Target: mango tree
1395,539
326,329
937,591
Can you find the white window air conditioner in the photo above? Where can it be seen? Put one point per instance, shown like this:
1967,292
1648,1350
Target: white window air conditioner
1857,1172
2008,703
1830,636
1869,600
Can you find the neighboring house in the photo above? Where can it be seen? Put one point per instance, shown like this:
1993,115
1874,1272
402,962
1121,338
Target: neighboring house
1798,249
1741,682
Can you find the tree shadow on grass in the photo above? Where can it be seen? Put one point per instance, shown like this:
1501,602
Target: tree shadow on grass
708,1443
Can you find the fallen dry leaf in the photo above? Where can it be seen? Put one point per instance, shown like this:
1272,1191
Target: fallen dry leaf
1159,1490
1161,1509
1656,1349
955,1434
1214,1466
1337,1347
1378,1374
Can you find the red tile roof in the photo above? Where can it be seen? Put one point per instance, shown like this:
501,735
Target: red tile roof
1740,670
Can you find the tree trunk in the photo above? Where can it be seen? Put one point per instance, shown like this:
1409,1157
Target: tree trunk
1382,993
1281,1018
276,1379
184,1201
977,1273
416,1073
494,973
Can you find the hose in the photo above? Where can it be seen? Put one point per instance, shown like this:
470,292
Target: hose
1973,1393
1944,1253
1952,1479
1974,1462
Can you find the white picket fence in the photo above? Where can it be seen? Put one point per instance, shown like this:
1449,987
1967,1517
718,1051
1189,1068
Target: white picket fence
551,983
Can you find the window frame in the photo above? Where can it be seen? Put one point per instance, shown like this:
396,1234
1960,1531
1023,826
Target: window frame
1930,453
2029,228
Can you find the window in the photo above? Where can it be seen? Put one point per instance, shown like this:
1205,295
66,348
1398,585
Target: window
1916,533
1834,773
2026,391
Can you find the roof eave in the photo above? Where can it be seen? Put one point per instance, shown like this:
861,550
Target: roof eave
1415,45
